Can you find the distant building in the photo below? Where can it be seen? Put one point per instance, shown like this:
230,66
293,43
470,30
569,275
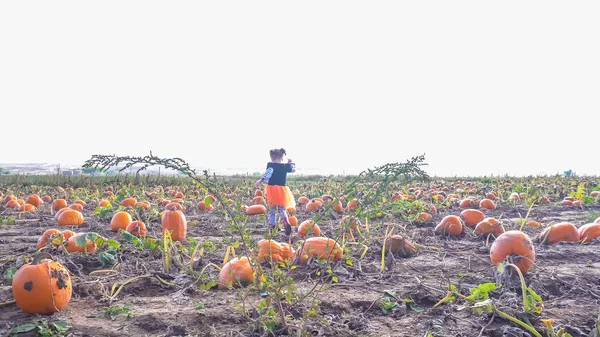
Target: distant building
67,172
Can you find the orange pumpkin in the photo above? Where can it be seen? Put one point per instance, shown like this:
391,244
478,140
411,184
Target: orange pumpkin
237,272
128,202
77,207
258,193
303,200
450,225
319,248
9,198
465,203
70,217
175,205
291,210
472,217
27,208
12,204
423,217
589,232
137,228
293,220
258,200
46,198
202,206
173,220
352,205
21,202
254,209
120,220
489,226
104,203
34,200
60,211
49,234
308,226
70,245
399,246
142,204
314,205
58,204
517,245
42,287
560,232
487,204
269,250
567,202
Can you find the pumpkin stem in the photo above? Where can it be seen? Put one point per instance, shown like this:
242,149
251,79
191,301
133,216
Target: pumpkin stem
39,257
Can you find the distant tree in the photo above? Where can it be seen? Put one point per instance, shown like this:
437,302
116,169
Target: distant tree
92,171
4,171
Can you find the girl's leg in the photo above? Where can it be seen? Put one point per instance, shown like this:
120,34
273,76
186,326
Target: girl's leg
284,218
272,217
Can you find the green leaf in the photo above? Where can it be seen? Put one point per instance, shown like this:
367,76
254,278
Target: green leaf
23,328
61,326
9,273
114,244
334,279
81,241
107,258
207,201
415,307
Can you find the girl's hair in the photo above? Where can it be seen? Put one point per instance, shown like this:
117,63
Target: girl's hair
277,153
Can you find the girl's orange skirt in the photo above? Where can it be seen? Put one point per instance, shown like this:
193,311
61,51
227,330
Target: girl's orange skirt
279,196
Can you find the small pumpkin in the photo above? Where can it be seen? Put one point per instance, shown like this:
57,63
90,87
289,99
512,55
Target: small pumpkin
319,248
175,205
137,228
399,246
487,204
293,220
237,272
303,200
173,220
308,226
450,225
42,287
12,204
254,209
104,203
27,208
49,234
516,244
128,202
423,217
77,207
202,206
489,226
258,200
70,217
70,245
120,220
58,204
314,205
560,232
142,204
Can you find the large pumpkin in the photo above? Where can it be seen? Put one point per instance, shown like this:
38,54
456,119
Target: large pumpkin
34,200
517,244
237,272
70,217
450,225
174,221
489,226
472,217
269,250
120,220
319,248
42,286
589,232
560,232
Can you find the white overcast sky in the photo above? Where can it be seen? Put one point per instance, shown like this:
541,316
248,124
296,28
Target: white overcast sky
480,87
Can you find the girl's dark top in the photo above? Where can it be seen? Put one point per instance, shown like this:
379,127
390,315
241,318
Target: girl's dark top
277,173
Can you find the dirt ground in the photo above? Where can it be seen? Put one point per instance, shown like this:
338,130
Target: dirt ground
566,276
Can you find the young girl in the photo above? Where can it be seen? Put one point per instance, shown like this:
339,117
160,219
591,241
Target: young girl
279,196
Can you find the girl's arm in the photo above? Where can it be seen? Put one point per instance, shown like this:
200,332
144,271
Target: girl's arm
264,178
292,166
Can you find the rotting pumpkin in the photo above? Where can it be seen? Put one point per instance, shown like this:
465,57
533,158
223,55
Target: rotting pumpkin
42,287
237,272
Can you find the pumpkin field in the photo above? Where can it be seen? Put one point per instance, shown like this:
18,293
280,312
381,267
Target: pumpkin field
390,252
